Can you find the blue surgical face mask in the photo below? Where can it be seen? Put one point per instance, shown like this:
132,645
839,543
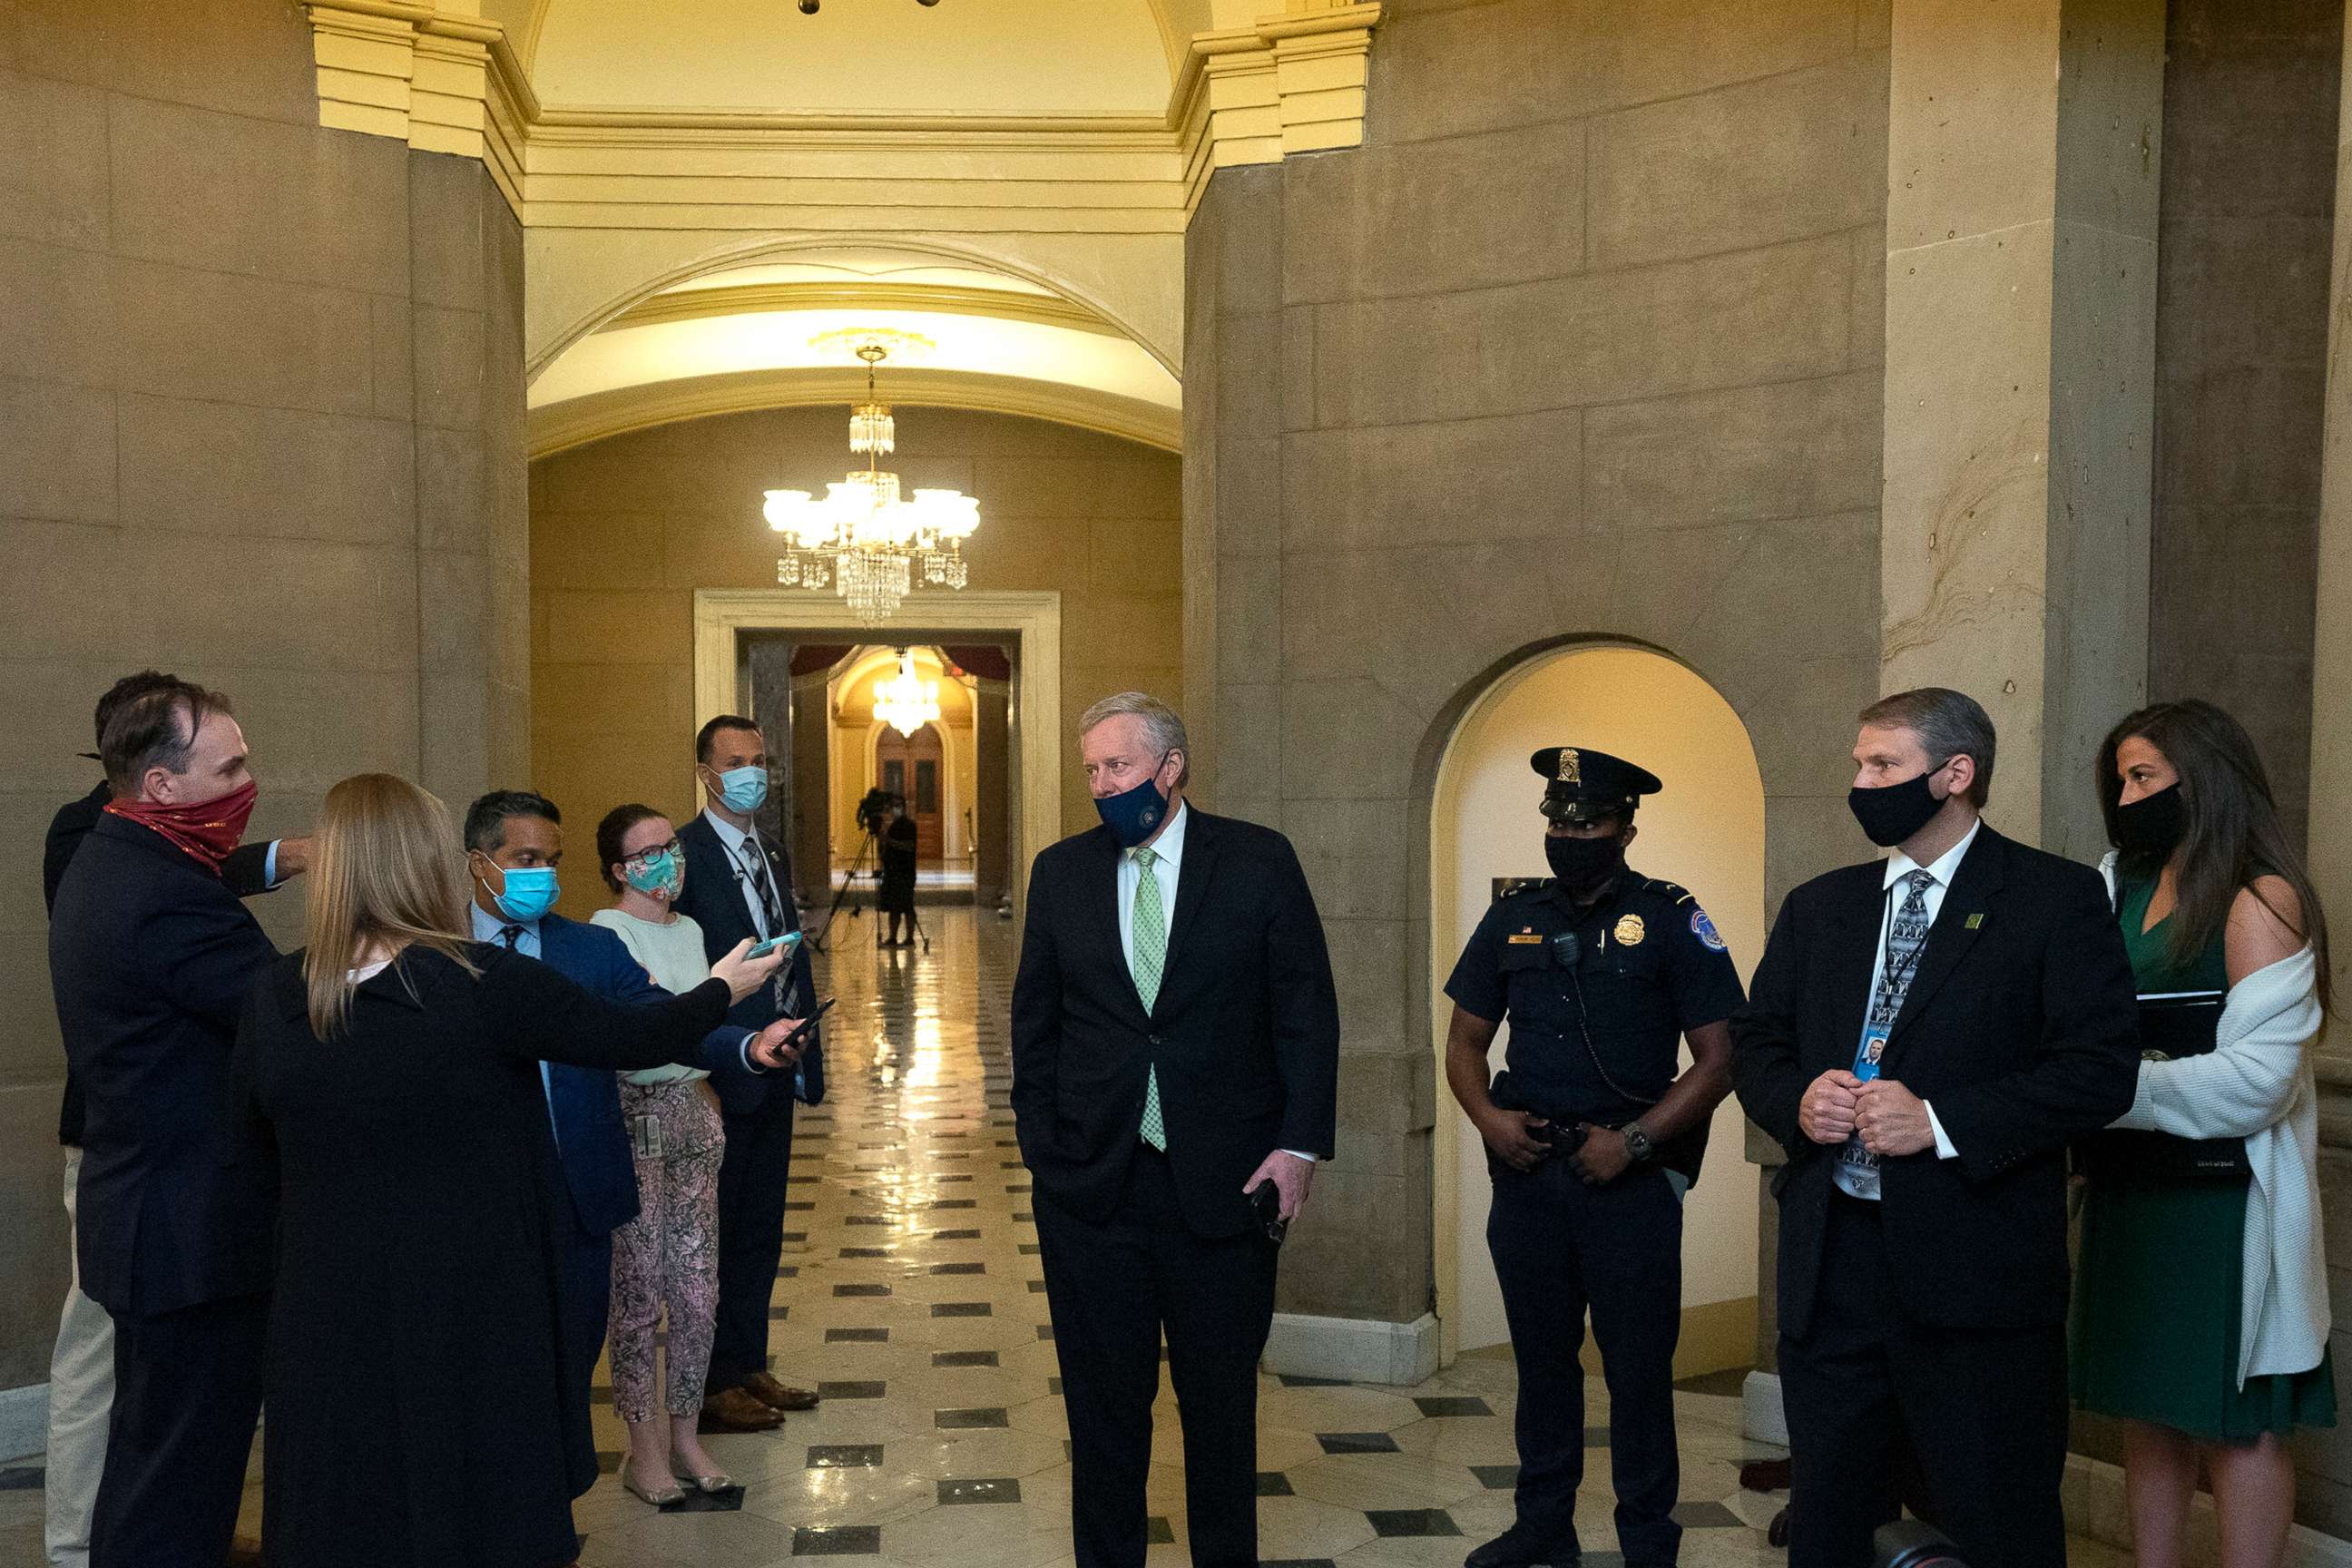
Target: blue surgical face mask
660,876
743,789
1135,814
529,893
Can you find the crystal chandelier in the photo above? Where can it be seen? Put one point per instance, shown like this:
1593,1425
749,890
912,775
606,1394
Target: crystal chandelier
863,537
904,702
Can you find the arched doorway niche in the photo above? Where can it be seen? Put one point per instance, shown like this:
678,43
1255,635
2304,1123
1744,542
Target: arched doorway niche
1705,830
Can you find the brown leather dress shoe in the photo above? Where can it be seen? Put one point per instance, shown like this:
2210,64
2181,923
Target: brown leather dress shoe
776,1396
737,1410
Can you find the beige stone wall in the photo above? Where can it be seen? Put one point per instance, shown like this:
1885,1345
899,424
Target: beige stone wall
2249,191
624,530
261,423
1586,340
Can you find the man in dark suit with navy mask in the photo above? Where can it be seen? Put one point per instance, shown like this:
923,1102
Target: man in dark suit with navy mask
514,848
1175,1069
738,885
1924,1035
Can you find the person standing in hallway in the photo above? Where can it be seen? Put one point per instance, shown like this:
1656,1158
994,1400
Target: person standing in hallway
1592,1140
668,1256
1924,1037
514,851
738,886
1175,1050
81,1366
420,1414
2201,1309
896,899
151,956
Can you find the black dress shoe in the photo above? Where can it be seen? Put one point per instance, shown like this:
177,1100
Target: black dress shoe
1522,1547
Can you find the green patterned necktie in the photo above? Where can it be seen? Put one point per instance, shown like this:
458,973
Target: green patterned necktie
1150,942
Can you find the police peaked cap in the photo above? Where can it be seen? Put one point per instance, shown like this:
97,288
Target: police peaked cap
1581,786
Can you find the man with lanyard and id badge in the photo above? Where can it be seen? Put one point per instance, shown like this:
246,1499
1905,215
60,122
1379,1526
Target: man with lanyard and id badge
738,886
1924,1037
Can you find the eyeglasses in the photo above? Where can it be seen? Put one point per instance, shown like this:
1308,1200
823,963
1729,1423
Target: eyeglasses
645,857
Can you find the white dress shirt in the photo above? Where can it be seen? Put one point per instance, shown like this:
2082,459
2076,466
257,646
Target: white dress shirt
1167,868
487,927
751,864
1899,866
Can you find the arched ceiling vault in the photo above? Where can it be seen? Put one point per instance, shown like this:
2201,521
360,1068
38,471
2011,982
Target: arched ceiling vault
853,56
766,335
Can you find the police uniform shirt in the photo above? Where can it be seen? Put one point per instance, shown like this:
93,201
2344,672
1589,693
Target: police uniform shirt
1651,967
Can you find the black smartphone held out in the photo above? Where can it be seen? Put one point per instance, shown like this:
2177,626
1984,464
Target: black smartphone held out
798,1038
1266,1199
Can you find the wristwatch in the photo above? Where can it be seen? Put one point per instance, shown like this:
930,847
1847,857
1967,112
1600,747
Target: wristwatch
1637,1143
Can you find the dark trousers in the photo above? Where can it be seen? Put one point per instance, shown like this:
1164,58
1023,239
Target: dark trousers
753,1177
187,1395
1562,1247
1113,1287
1984,1411
584,1293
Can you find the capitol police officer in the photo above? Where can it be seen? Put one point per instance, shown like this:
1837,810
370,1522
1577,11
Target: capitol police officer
1592,1140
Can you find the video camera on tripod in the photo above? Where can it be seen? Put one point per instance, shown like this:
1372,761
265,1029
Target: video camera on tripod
872,808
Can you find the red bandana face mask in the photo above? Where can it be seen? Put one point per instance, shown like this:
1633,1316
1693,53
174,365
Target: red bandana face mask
208,833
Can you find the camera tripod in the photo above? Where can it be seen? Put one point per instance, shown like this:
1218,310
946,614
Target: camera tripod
847,894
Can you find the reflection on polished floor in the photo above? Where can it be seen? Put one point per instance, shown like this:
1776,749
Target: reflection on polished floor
911,1298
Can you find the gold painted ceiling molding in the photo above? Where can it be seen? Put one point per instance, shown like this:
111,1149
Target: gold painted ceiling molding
753,298
449,81
559,427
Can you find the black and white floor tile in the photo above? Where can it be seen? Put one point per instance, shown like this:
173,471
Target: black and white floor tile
908,1298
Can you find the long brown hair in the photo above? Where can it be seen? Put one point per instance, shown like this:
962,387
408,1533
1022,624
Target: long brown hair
385,873
2230,834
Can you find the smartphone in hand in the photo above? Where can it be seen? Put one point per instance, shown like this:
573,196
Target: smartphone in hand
1266,1199
789,940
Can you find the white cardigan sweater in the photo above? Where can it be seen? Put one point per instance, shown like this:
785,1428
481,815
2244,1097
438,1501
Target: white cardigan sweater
2257,1084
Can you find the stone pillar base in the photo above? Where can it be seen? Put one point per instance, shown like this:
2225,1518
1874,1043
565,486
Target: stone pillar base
1356,1348
1762,1419
24,1420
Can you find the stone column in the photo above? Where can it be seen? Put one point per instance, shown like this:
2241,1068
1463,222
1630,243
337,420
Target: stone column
991,736
2331,671
2020,311
811,825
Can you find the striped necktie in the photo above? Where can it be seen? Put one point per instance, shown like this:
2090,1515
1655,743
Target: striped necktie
1150,944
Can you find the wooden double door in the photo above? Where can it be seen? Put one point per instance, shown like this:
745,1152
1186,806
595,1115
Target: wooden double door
909,766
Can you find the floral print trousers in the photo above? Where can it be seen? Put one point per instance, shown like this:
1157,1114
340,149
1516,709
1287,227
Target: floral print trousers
668,1256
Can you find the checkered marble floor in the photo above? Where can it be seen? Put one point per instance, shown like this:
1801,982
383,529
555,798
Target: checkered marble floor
910,1297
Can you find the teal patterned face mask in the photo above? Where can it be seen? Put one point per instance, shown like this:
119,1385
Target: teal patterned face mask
661,875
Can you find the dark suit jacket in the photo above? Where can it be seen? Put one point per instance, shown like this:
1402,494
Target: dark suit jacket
245,873
150,957
592,1141
713,900
1244,1032
2020,1029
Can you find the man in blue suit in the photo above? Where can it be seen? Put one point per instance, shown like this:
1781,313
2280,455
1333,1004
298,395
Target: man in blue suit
738,884
514,842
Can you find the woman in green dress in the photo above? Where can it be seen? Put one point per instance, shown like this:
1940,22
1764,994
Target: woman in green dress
2200,1312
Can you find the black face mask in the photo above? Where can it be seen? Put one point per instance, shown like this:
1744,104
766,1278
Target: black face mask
2151,827
1893,812
1583,864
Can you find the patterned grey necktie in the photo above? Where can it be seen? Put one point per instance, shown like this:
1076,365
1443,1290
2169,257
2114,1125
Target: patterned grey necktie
1857,1172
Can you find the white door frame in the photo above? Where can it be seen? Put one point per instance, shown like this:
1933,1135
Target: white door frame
720,614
